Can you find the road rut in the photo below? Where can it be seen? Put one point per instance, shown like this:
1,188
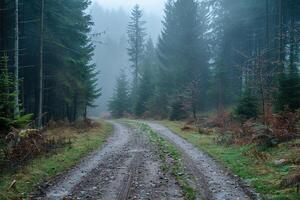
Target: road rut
213,180
127,167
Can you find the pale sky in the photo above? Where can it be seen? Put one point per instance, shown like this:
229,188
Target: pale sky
149,6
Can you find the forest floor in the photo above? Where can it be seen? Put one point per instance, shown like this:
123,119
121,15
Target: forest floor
43,168
264,175
144,160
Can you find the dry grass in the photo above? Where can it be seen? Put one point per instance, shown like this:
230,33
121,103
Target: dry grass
45,166
266,171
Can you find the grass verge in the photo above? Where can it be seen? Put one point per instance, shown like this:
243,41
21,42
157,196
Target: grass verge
169,152
45,167
262,175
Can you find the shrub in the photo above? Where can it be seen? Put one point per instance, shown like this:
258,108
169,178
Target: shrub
247,106
177,111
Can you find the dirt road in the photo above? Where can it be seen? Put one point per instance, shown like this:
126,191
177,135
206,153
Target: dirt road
129,167
214,181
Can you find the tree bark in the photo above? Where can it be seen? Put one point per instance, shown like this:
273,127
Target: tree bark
16,82
280,42
40,108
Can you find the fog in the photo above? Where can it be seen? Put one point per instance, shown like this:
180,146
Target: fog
112,17
150,6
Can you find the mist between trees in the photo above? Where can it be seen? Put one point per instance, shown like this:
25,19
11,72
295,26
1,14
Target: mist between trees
210,55
213,55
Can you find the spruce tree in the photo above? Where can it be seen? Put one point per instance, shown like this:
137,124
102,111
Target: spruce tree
182,47
146,87
145,92
247,106
7,103
6,95
119,104
288,96
136,39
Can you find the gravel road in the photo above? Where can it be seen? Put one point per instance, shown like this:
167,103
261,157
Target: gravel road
127,167
213,180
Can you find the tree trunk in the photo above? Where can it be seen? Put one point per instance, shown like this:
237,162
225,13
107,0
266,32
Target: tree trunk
75,108
267,25
16,82
2,20
292,41
40,109
280,42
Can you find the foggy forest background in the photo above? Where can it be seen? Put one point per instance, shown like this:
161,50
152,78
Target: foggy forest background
211,55
111,53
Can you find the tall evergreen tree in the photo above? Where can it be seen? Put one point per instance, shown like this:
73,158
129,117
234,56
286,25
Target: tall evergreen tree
136,39
146,86
68,76
182,47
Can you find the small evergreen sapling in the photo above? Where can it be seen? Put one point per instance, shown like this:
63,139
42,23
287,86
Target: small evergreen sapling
7,103
247,106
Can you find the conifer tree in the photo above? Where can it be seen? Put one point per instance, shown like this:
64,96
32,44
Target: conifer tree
146,86
247,106
6,95
288,96
182,47
136,39
119,104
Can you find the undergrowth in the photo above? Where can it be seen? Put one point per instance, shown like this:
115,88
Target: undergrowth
264,170
46,166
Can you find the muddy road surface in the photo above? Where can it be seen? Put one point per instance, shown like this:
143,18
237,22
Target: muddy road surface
213,180
127,167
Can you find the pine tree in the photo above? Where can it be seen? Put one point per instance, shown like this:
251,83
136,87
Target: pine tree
146,86
145,92
6,95
182,48
136,39
8,119
247,106
288,96
119,104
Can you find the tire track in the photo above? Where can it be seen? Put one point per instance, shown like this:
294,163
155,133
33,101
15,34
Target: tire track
125,190
215,182
126,168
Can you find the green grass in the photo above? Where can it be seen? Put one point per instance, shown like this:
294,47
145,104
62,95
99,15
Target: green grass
44,167
166,149
263,176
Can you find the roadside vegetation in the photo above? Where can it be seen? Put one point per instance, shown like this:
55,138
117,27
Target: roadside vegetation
273,171
69,143
172,161
46,76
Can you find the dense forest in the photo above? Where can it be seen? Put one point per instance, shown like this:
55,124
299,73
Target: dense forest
213,55
46,69
206,104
